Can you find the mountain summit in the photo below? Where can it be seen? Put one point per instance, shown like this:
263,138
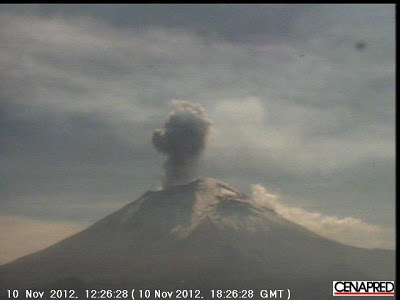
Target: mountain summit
204,234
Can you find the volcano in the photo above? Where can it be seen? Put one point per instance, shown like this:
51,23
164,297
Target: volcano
204,235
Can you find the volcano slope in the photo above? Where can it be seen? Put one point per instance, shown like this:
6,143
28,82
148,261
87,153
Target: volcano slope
203,235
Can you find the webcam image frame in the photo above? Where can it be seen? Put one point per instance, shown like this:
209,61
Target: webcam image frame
197,151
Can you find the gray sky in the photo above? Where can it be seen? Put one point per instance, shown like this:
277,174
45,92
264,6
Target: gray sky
302,99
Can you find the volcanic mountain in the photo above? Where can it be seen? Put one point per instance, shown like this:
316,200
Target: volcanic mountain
201,235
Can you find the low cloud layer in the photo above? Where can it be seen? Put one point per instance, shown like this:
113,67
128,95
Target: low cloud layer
182,140
348,230
21,236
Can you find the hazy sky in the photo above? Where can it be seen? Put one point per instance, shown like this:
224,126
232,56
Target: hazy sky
302,99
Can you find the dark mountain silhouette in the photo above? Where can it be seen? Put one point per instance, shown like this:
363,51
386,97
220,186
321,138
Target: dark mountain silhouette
202,235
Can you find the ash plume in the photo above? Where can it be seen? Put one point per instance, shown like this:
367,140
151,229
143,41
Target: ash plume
182,139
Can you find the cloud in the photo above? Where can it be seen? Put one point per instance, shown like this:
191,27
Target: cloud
348,230
302,138
222,21
21,236
321,115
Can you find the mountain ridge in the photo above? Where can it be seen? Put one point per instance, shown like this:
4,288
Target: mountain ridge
205,233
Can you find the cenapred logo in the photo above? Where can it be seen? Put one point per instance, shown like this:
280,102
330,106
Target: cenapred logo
363,288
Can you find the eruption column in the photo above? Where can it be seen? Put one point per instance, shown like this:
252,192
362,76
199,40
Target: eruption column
182,140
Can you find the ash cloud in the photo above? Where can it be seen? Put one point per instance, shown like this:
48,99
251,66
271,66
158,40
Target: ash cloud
182,139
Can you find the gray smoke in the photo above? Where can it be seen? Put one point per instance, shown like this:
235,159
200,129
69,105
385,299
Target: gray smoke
182,140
